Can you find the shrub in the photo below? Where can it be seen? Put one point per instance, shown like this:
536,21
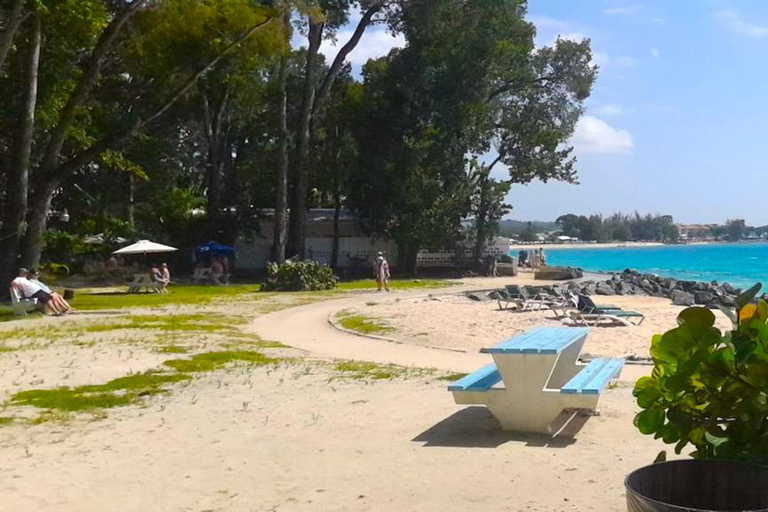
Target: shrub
299,276
708,388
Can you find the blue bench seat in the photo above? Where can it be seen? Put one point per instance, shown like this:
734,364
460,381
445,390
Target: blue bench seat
594,377
480,380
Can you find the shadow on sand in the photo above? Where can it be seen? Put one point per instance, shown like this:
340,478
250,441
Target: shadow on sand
475,427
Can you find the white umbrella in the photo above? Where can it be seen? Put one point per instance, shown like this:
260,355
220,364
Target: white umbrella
145,247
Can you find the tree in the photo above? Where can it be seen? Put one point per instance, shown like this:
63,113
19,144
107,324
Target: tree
322,18
86,112
735,229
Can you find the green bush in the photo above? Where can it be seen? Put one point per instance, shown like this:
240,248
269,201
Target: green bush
299,276
708,388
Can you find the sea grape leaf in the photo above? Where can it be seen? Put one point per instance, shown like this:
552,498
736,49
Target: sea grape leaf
697,317
649,420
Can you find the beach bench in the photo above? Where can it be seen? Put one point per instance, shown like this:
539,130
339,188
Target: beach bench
144,281
20,305
535,376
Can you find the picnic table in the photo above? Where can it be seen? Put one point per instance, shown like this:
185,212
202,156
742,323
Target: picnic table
541,378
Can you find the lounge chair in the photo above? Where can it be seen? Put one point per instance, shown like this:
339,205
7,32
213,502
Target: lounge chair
588,313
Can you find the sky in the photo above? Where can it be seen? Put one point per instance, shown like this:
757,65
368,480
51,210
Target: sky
676,123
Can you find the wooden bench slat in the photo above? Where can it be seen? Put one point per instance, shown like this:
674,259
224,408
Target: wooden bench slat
599,381
581,379
540,340
593,378
479,380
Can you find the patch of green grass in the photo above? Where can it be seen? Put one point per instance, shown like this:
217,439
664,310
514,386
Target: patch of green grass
197,323
360,370
452,376
210,361
47,416
115,393
173,349
175,295
6,420
364,324
397,284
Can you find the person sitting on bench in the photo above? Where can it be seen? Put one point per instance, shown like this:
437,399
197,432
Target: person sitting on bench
31,290
59,302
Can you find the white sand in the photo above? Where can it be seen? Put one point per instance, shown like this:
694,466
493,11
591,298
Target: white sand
295,439
458,323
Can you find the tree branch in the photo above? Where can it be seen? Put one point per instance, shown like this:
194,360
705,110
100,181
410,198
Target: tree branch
14,20
84,86
194,78
345,50
118,137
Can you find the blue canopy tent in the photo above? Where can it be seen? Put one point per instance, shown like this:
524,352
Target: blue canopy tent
215,248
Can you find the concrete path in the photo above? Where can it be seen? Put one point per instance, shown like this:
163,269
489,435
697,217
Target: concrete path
307,328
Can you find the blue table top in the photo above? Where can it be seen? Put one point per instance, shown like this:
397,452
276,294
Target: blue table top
540,340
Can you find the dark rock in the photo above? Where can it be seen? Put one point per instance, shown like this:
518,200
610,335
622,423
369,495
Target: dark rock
727,288
728,301
589,288
681,298
479,296
703,297
603,288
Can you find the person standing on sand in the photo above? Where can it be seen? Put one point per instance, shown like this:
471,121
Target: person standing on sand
381,272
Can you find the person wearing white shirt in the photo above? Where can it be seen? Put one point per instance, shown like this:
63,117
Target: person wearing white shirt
31,290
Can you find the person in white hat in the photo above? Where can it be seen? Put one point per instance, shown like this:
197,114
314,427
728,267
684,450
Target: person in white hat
381,272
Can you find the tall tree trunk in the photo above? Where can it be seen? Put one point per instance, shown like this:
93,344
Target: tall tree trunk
298,215
281,201
18,179
14,20
43,195
311,103
336,229
131,191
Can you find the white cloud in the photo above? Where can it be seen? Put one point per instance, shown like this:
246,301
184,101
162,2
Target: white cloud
610,109
374,44
734,22
655,52
658,21
594,135
617,11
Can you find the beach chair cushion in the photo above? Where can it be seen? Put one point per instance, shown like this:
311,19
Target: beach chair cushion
594,377
480,380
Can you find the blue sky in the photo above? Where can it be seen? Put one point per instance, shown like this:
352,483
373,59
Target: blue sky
676,123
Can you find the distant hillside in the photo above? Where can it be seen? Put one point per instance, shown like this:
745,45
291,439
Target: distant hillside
509,227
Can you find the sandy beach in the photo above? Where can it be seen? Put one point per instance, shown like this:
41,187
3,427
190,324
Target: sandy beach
302,433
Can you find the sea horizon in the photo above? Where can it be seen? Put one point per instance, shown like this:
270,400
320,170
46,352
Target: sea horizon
739,264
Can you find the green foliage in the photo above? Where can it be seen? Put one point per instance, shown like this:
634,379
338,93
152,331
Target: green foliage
117,392
360,370
210,361
710,389
620,227
364,324
299,276
176,295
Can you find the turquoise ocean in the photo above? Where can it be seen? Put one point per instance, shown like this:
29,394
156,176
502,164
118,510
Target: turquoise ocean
741,265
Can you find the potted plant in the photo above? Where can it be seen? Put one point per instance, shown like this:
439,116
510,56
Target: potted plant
708,389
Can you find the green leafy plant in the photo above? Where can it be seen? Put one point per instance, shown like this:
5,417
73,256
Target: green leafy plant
299,276
709,388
